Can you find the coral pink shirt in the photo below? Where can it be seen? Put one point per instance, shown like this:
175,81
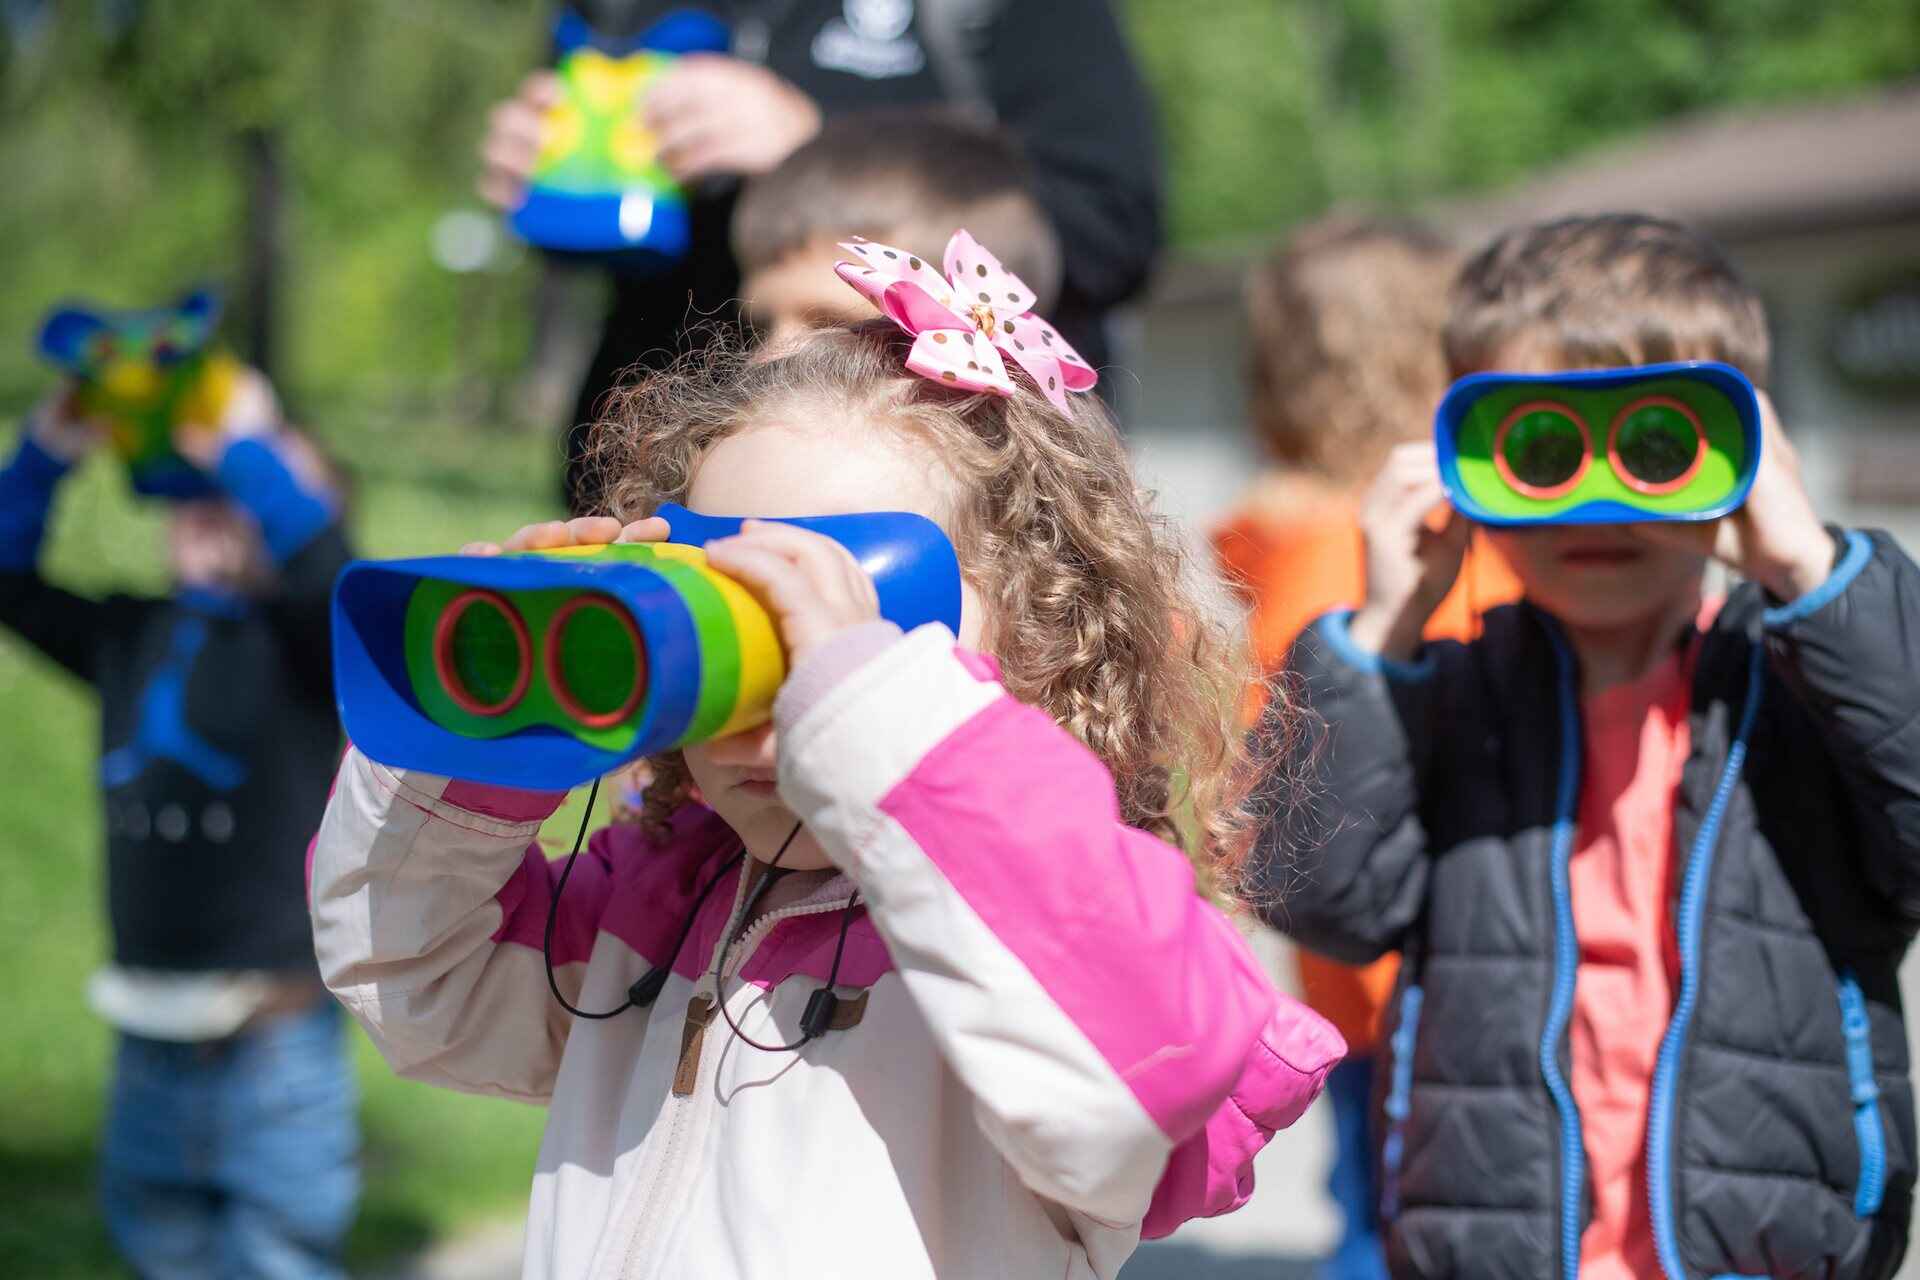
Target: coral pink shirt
1623,880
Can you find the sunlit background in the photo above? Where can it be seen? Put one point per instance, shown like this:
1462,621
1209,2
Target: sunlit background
316,160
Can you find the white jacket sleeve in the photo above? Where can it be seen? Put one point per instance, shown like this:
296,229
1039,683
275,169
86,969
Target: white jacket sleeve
428,900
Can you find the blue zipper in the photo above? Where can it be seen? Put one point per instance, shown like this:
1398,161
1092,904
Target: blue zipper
1399,1101
1692,911
1866,1097
1566,962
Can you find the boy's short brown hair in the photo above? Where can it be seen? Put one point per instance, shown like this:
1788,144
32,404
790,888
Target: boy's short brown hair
913,174
1606,290
1345,321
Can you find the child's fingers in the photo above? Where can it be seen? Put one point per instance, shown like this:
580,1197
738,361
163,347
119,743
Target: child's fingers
592,531
480,549
778,583
827,564
650,529
538,537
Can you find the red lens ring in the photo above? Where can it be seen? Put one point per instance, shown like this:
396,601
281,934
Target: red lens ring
557,685
450,680
1540,493
1655,489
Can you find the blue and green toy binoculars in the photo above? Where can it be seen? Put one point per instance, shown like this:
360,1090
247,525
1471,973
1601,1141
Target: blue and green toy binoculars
1603,446
548,669
147,375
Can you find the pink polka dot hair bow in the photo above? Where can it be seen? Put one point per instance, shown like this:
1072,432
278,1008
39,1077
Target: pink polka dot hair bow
966,320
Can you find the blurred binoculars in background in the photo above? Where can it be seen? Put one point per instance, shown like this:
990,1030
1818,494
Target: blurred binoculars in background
597,186
146,374
1604,446
548,669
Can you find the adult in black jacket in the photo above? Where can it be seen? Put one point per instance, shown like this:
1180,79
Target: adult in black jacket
1779,1129
1057,75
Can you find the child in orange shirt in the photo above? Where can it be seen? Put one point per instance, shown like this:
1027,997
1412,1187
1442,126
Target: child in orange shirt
1347,362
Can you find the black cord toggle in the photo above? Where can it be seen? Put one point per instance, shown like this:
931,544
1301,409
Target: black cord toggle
644,992
818,1018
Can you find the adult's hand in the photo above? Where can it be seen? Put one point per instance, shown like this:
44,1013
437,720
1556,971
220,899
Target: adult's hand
716,114
512,144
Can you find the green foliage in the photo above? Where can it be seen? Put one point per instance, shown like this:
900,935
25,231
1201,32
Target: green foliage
1274,109
123,158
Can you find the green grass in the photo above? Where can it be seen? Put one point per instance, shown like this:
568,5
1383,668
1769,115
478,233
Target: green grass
434,1159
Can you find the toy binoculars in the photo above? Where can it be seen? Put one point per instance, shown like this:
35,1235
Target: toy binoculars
597,185
1606,446
145,373
548,669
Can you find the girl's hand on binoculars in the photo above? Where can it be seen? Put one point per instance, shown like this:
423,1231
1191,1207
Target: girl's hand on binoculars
1414,546
582,531
1775,538
811,584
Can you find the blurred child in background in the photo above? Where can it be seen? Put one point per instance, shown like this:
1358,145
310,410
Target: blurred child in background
1651,858
231,1138
907,177
1053,1043
1346,362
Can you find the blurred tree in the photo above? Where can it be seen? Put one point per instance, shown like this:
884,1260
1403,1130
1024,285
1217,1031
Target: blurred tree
311,148
1275,108
298,153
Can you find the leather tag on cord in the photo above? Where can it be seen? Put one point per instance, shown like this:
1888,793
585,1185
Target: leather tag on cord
849,1012
693,1031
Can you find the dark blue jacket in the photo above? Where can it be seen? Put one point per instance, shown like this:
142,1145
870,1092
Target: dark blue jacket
217,726
1781,1134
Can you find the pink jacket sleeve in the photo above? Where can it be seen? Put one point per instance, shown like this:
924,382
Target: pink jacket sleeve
1101,1012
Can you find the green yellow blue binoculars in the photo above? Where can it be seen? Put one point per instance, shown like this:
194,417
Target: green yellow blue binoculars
1605,446
597,184
548,669
145,374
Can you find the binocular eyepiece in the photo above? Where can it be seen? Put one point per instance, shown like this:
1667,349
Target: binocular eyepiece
1607,446
548,669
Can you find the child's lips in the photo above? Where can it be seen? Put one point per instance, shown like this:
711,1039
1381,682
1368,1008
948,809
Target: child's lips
758,786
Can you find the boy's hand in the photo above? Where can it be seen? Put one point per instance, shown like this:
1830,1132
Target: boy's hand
1411,560
251,409
583,531
57,425
512,144
1775,539
811,584
715,114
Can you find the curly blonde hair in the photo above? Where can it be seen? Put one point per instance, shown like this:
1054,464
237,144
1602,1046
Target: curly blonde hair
1093,613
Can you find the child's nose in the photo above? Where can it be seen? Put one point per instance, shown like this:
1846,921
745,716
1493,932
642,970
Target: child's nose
755,748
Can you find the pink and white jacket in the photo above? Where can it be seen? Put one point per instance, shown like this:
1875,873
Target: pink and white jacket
1062,1047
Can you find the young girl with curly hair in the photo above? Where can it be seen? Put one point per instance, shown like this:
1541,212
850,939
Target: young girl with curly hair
1048,1040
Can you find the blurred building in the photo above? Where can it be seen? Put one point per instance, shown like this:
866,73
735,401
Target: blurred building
1819,204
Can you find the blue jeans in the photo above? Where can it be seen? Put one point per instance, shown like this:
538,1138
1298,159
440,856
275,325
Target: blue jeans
1351,1181
234,1158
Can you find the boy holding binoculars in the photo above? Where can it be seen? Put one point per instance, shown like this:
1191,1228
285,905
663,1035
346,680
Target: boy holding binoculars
1652,857
231,1142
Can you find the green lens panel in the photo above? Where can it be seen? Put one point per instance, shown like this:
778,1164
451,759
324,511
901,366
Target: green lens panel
486,652
1716,479
1656,444
594,669
598,661
1544,449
